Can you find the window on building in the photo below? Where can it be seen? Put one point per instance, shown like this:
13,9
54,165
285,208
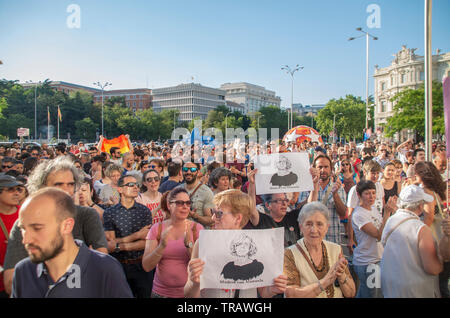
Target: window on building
383,106
402,78
383,86
422,76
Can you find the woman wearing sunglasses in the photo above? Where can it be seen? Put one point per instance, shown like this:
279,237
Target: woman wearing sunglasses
150,197
232,213
169,246
348,176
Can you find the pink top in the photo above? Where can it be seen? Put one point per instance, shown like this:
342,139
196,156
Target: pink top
158,215
171,272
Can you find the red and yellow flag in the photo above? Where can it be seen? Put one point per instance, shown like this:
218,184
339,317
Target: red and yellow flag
121,142
48,115
59,114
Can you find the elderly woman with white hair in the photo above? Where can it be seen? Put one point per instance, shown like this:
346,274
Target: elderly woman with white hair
411,260
315,267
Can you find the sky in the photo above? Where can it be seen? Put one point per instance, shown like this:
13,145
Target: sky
138,44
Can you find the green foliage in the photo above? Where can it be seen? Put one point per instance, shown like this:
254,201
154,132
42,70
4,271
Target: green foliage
409,111
352,121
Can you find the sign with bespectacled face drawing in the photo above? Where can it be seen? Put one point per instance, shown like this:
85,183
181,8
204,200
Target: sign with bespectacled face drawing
283,173
240,259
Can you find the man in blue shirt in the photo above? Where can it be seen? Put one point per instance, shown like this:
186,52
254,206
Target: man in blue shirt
59,266
126,225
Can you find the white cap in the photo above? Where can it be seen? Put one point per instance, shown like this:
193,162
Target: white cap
413,193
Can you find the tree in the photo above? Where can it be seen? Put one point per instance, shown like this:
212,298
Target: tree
86,129
409,111
352,121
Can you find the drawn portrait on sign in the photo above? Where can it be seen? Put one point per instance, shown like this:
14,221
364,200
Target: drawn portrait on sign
284,176
244,267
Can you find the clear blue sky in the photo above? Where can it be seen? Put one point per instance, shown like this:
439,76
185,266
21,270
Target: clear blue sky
165,43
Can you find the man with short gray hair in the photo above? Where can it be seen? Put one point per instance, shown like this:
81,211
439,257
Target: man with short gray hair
411,262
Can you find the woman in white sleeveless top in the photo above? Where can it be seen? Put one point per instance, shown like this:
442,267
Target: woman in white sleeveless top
410,264
232,213
314,267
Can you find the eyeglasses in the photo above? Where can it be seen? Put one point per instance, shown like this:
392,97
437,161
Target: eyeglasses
219,214
192,169
281,201
150,179
180,203
346,164
131,184
9,167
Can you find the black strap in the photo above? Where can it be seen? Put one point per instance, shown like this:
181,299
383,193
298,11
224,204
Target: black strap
236,293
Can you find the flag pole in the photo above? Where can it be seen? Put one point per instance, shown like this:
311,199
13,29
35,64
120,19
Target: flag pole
48,125
58,122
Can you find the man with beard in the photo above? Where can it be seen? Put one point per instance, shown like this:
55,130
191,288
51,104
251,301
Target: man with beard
200,194
127,162
62,174
58,265
328,190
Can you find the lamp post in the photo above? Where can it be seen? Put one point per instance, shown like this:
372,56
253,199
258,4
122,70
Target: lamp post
102,87
35,107
334,126
291,72
367,35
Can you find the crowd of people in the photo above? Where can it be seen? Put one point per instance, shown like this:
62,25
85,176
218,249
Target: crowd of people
130,222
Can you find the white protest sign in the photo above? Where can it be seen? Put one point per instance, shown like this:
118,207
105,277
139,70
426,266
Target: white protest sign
282,173
241,259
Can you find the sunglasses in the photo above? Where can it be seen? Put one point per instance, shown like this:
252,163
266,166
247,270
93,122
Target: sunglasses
192,169
152,166
131,184
9,167
346,164
180,203
151,179
219,214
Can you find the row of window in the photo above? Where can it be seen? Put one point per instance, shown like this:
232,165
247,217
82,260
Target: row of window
403,78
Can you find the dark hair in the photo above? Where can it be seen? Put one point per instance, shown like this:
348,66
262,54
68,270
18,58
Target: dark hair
98,158
325,157
213,165
365,185
416,151
431,178
159,162
172,194
122,178
173,169
95,197
164,203
29,164
113,149
144,176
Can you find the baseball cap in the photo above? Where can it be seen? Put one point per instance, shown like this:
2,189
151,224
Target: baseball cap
414,193
7,181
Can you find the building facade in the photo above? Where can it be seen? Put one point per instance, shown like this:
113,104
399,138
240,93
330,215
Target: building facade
191,100
306,110
136,99
251,97
405,72
65,87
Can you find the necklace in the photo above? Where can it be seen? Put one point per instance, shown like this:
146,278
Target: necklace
323,259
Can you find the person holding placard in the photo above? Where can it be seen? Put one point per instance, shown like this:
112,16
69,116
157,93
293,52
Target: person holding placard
232,213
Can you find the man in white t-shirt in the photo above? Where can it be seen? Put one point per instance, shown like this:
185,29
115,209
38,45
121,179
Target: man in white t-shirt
372,171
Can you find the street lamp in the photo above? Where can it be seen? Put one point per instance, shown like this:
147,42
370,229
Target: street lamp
334,126
35,108
102,87
366,34
291,72
226,123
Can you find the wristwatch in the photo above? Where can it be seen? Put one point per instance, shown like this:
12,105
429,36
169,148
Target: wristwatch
117,249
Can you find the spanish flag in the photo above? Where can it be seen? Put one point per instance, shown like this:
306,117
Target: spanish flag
121,142
48,115
59,114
